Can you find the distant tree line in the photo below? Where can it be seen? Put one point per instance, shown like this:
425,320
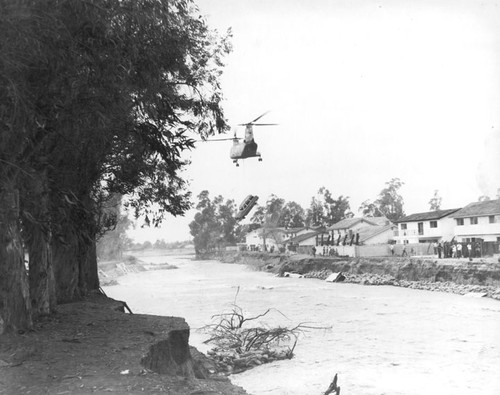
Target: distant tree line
214,224
96,100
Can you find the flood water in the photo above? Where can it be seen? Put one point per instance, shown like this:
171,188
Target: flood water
381,339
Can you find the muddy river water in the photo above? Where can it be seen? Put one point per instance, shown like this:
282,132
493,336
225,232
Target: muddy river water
381,339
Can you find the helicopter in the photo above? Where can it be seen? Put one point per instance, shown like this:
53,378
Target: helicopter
247,148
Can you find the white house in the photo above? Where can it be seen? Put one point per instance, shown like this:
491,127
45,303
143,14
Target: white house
265,238
428,227
478,221
366,227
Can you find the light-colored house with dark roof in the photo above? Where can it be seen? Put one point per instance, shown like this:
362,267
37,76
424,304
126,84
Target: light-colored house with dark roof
478,221
371,230
428,227
353,224
262,238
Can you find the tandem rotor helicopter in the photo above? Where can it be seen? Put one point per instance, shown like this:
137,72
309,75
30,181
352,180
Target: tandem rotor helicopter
248,147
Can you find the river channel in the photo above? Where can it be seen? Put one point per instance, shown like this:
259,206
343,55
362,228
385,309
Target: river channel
379,339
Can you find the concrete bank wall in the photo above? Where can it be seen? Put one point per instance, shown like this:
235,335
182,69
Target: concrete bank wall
408,269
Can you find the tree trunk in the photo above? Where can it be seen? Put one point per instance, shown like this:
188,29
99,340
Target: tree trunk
66,266
15,311
41,274
89,277
75,257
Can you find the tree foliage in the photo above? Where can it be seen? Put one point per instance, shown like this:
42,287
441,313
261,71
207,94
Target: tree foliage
325,210
435,202
214,224
292,216
370,209
389,203
114,224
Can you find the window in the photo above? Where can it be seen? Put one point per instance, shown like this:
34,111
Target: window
460,221
434,224
492,219
473,220
403,226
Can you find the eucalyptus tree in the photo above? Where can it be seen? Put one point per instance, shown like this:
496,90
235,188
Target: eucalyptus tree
98,98
389,203
293,216
325,210
214,224
435,201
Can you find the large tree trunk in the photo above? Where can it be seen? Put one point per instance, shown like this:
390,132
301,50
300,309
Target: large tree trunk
66,266
41,274
89,277
74,255
15,311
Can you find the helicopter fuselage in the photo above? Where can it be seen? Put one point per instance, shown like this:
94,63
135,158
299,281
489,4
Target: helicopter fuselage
246,149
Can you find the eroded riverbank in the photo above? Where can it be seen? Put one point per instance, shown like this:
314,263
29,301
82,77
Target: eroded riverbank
480,277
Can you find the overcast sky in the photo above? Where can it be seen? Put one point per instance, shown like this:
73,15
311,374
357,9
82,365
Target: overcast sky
363,91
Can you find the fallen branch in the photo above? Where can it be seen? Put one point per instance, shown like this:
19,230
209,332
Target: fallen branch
239,347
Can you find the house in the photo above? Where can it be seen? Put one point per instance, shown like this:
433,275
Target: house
479,221
428,227
265,238
364,226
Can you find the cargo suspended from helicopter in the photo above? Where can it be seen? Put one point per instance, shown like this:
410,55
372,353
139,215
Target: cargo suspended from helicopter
248,147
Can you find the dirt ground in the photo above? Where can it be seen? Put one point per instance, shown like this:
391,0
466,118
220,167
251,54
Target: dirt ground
88,347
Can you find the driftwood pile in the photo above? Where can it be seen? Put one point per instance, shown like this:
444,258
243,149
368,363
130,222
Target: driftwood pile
239,346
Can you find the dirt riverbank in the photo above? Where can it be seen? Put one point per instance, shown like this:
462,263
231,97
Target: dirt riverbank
480,277
92,347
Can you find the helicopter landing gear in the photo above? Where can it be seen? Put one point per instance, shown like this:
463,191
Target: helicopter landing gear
260,159
237,164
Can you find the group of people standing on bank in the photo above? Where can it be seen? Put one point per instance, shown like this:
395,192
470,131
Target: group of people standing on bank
457,250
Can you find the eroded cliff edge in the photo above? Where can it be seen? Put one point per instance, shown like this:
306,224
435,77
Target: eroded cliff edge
481,276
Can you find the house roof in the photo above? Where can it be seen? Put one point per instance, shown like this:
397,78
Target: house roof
488,207
350,222
368,232
303,237
295,230
429,215
380,221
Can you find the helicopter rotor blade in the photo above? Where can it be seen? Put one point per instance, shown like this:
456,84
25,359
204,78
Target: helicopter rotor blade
256,119
265,124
